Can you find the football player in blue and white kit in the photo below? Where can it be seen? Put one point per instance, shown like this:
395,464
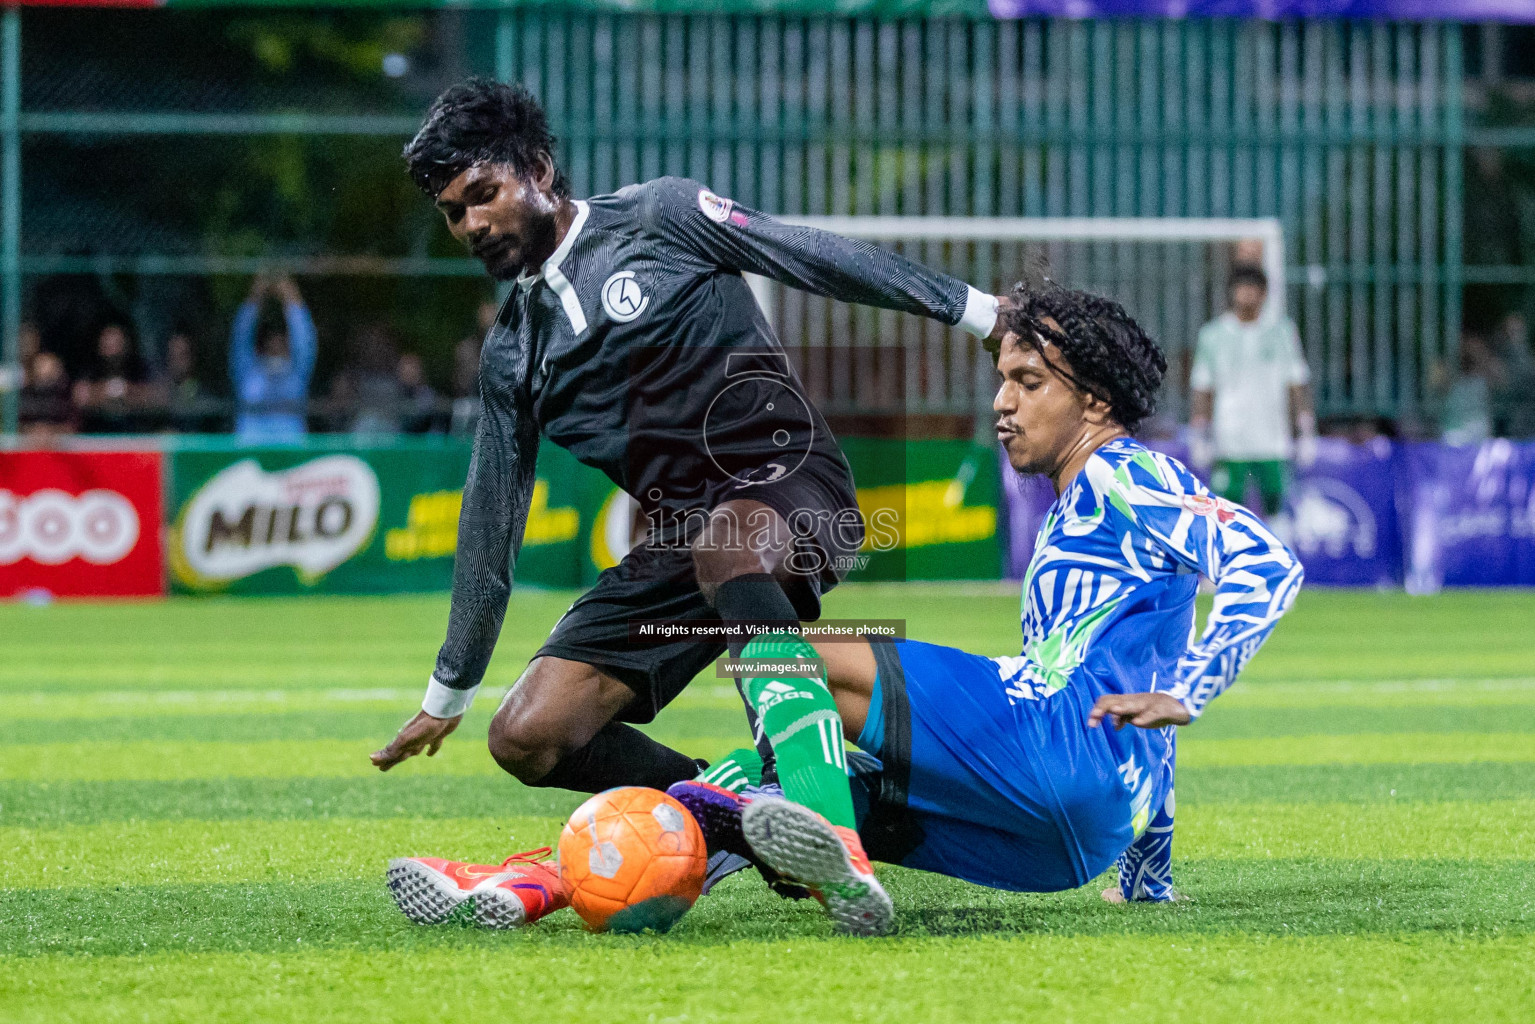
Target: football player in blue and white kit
1000,770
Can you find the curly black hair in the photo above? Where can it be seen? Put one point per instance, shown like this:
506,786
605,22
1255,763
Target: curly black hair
476,122
1109,355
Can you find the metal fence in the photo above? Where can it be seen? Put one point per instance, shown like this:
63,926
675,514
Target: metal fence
1352,134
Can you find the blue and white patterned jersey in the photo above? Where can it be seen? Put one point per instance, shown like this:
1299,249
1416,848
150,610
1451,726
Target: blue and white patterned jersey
1108,607
1108,600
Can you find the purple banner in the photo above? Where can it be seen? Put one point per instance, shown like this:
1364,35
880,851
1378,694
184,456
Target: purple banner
1470,515
1510,11
1425,514
1342,515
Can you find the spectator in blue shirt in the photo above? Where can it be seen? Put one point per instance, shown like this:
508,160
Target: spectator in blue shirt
271,379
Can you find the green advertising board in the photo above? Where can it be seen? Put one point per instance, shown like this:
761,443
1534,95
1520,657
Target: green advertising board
930,505
334,516
346,518
931,509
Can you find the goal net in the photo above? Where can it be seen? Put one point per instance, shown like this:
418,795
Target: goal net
1170,273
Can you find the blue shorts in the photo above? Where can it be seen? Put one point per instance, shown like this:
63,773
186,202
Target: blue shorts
1021,796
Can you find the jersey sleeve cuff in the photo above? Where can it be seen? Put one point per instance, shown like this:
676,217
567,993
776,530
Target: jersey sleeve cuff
444,701
980,315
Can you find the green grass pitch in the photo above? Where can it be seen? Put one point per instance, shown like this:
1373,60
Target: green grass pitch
190,830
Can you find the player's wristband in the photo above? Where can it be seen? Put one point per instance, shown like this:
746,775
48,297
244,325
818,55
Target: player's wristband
980,315
444,701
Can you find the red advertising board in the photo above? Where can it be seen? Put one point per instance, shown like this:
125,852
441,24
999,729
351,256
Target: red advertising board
81,524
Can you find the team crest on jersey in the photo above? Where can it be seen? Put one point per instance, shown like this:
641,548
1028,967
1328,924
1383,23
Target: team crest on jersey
622,297
1205,505
716,208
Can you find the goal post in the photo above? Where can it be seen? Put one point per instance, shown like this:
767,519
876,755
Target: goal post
1169,272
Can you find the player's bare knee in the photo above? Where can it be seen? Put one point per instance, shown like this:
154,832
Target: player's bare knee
555,709
525,738
523,747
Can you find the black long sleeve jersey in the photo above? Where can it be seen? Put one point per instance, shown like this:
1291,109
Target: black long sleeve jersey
639,348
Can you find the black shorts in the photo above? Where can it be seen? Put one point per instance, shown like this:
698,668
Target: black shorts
660,583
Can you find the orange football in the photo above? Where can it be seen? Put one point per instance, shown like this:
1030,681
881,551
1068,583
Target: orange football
633,859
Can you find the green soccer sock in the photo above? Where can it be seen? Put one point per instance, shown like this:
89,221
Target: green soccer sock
800,720
735,771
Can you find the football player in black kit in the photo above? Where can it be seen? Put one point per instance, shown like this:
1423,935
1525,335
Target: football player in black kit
630,339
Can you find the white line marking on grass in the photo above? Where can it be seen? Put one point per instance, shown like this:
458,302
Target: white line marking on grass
1419,748
127,703
1317,694
1443,685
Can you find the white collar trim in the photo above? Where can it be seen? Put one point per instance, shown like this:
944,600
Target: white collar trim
529,278
552,273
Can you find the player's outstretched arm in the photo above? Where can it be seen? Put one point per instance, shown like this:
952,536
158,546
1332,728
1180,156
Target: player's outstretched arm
497,496
1256,576
722,233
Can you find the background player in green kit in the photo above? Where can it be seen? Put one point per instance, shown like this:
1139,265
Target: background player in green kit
1252,407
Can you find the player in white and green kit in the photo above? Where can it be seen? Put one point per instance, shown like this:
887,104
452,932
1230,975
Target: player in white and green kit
1252,409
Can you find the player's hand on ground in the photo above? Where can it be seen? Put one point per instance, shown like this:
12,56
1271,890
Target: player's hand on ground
422,732
1145,710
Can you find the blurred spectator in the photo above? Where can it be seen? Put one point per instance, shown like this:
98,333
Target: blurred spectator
1465,401
466,354
271,379
69,310
420,402
181,370
369,386
1513,397
47,404
177,388
28,344
13,377
110,392
1252,409
466,372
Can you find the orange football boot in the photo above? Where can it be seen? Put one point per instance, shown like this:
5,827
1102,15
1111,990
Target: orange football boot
518,891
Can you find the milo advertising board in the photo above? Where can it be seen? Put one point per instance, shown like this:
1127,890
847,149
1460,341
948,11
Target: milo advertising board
332,517
353,520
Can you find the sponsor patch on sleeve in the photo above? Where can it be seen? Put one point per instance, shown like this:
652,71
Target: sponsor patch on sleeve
716,208
1206,505
1199,504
